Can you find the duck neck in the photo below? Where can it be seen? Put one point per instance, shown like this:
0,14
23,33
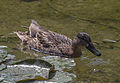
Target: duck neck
76,47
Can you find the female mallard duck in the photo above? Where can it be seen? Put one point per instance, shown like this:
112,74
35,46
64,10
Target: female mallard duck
46,41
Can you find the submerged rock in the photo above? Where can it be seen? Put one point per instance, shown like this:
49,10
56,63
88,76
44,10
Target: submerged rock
63,77
60,77
3,47
97,61
1,79
109,41
34,81
59,62
33,69
2,67
4,58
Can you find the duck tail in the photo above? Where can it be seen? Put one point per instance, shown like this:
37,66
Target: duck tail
24,27
21,35
35,23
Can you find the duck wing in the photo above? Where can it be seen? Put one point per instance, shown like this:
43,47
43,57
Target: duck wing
44,47
50,41
34,28
49,35
60,39
55,43
40,45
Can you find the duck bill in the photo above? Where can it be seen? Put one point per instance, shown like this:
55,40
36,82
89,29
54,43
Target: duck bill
92,49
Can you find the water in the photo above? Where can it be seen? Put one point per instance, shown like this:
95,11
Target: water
100,19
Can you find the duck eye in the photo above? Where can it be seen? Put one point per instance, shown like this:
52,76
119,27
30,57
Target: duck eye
81,38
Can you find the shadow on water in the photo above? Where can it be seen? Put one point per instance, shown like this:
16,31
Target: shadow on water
29,0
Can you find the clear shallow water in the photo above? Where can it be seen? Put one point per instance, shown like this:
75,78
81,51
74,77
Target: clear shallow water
45,69
100,19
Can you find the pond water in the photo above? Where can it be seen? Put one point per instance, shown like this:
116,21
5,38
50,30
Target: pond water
100,19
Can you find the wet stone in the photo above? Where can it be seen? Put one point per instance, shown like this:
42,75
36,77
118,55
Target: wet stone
34,81
9,57
63,77
3,47
2,67
1,79
109,41
27,69
4,56
59,62
60,77
97,61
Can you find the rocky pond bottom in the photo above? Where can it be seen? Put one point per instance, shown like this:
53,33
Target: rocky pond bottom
42,70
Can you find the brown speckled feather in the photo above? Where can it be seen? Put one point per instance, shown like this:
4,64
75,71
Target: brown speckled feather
50,40
46,41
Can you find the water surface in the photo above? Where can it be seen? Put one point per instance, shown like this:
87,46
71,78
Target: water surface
100,19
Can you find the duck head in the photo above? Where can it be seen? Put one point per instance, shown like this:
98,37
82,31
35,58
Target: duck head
84,40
